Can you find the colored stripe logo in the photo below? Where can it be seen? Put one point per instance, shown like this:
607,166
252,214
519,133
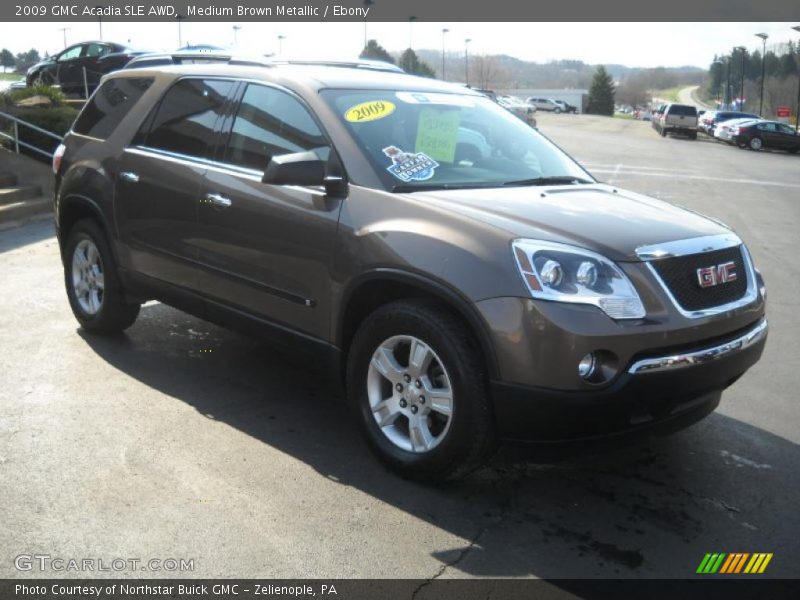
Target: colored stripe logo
734,563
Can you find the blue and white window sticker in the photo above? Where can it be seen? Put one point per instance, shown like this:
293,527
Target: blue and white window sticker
410,166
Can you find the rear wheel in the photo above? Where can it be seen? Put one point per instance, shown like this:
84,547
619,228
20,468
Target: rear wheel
93,285
663,132
756,144
416,384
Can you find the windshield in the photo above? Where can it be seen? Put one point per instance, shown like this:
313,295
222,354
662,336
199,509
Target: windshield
422,140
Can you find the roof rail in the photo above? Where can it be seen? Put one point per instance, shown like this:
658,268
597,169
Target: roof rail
374,65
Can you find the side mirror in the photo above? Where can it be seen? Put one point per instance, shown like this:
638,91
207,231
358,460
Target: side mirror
302,168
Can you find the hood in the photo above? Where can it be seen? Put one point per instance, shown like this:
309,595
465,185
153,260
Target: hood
41,63
605,219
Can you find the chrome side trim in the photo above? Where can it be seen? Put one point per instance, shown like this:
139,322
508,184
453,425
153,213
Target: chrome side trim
750,294
698,357
193,161
697,245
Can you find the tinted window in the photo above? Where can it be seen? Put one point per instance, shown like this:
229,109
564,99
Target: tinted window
269,123
97,50
70,53
109,105
682,109
187,115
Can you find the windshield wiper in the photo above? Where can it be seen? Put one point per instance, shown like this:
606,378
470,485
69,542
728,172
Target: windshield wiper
552,180
405,188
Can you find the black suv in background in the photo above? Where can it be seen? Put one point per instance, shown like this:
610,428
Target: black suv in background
465,278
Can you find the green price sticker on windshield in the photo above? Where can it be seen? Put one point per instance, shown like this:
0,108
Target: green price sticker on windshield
369,111
437,132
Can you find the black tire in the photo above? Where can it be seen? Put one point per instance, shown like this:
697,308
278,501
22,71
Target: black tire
793,150
663,132
470,438
693,135
115,314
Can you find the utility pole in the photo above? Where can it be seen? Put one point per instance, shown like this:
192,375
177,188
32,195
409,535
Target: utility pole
100,8
64,30
411,20
280,44
763,37
367,4
180,18
466,60
742,50
236,29
797,108
444,32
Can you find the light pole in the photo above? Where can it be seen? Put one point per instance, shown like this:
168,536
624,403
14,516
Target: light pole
100,8
466,60
797,108
411,20
763,37
742,50
180,18
445,31
236,29
727,95
720,94
64,30
280,44
367,4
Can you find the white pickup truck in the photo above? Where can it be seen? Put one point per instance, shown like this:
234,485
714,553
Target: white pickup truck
678,118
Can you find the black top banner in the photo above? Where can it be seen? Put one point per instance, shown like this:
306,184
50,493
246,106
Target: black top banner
405,10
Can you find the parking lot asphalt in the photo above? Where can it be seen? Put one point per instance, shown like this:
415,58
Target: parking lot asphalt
180,439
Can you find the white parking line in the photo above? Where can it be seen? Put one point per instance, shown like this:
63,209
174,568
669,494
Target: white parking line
682,175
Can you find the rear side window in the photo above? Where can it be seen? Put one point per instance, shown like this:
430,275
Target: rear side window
109,105
683,110
187,116
270,123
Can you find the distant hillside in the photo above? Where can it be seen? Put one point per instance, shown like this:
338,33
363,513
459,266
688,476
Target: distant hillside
503,71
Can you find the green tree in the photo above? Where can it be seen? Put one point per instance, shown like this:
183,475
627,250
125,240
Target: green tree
27,59
410,63
601,94
7,59
374,51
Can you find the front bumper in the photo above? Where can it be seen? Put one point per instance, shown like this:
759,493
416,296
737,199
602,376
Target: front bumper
667,392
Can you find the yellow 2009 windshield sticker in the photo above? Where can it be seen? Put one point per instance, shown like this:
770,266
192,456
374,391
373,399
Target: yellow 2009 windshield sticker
369,111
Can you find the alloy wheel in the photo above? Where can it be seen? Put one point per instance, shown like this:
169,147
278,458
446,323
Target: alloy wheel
410,394
88,282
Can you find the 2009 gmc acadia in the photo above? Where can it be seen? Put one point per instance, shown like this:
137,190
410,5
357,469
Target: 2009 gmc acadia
471,281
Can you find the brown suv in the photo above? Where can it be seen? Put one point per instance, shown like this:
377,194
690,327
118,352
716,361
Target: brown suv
467,279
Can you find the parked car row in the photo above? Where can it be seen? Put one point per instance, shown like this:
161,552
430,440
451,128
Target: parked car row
745,130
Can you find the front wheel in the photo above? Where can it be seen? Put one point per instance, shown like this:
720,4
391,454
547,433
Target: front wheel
93,286
663,132
416,384
756,144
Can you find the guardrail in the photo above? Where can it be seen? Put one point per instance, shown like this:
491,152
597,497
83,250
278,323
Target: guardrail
17,142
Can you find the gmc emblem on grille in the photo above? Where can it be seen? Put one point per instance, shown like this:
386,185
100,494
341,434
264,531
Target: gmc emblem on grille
711,276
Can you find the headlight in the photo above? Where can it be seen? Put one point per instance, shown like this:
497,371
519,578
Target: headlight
563,273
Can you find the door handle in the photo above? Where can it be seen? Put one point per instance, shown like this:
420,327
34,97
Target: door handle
129,176
218,200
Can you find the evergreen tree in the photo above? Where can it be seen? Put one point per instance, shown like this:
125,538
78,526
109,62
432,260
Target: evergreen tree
601,94
410,63
374,51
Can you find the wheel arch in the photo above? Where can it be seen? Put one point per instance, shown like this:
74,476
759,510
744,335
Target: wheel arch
370,290
74,207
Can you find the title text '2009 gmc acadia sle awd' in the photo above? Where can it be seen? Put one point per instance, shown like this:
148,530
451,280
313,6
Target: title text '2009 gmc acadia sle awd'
471,281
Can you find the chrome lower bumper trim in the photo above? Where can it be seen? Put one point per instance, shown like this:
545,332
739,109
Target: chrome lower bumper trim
699,357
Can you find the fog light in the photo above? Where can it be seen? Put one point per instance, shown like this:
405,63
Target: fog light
586,366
